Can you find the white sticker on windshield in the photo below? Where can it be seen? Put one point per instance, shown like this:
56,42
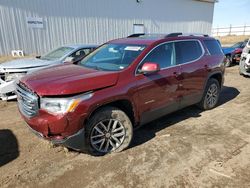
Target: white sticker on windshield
133,48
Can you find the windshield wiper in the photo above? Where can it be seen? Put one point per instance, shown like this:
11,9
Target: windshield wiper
93,67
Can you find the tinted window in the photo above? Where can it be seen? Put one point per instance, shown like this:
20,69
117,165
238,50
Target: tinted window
213,47
237,45
187,51
163,55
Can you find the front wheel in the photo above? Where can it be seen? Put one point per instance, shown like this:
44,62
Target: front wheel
211,95
108,130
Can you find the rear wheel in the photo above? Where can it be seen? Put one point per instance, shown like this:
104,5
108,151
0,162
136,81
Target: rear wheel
108,130
211,95
228,61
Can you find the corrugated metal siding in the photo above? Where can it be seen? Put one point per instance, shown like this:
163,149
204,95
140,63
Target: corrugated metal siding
95,21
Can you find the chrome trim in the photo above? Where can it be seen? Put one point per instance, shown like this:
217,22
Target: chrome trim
27,101
173,41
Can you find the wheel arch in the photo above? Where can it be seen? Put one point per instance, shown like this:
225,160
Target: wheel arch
218,76
124,104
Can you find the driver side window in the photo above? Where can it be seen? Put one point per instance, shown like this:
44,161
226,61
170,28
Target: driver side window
80,54
164,55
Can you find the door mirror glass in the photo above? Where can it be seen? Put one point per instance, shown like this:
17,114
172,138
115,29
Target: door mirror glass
149,68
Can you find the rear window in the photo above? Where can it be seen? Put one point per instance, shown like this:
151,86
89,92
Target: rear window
187,51
213,47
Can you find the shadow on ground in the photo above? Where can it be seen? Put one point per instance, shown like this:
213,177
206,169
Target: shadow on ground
8,147
148,131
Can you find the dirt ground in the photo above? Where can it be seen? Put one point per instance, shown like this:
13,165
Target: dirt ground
190,148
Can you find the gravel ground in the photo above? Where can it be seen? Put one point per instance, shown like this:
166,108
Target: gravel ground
189,148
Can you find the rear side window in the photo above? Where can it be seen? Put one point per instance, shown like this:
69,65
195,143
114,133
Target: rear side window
187,51
213,47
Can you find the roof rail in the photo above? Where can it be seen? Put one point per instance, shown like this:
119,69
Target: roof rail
177,34
135,35
186,34
195,34
173,35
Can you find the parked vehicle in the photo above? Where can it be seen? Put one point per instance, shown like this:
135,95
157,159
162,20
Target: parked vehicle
15,69
233,53
245,60
95,105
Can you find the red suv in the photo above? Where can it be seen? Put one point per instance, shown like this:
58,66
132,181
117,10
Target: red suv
127,82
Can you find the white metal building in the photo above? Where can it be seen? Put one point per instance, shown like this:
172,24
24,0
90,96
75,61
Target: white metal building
37,26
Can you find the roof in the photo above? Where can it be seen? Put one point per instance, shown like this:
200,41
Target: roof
81,46
148,39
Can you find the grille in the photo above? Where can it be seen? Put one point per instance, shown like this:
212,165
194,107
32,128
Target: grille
27,101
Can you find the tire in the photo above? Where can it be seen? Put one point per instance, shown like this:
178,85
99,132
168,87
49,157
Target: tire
109,130
228,62
211,95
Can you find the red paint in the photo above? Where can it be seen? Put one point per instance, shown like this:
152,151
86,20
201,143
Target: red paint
145,92
150,67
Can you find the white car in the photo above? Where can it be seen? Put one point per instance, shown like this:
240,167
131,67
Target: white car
13,70
244,67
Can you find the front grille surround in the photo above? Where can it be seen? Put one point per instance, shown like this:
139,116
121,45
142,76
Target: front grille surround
28,102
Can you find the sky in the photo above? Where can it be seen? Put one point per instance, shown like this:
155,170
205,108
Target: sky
235,12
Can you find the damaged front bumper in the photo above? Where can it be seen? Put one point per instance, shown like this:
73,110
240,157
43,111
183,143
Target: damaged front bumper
7,90
75,141
245,65
8,86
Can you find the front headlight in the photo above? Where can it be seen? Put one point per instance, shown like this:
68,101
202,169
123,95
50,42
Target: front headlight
13,76
63,105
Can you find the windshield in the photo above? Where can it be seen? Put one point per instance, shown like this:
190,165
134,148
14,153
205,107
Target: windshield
112,57
57,54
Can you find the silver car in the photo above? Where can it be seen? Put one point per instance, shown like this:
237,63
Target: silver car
244,67
13,70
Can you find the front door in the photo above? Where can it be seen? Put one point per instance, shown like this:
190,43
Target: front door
158,92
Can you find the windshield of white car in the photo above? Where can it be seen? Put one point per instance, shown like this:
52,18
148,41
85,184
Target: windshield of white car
112,57
56,54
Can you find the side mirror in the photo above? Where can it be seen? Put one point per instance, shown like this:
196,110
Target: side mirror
149,68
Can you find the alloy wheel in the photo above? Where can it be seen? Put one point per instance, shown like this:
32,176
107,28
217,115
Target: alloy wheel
212,96
107,135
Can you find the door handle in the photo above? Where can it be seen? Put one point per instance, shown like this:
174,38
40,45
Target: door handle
178,75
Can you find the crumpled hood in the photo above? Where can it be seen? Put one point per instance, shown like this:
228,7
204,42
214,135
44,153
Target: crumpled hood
25,63
68,80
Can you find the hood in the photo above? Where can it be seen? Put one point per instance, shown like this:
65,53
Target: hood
25,63
227,50
68,80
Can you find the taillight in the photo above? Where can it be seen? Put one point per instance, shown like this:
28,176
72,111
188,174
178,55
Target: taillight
237,50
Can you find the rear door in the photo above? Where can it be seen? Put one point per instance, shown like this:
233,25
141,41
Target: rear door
189,54
158,92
